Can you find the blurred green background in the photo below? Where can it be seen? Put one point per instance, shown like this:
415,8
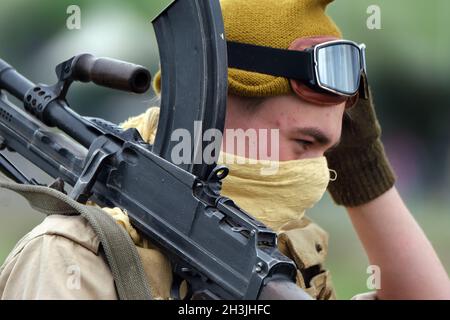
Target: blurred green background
409,70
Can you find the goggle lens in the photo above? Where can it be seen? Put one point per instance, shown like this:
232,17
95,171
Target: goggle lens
339,68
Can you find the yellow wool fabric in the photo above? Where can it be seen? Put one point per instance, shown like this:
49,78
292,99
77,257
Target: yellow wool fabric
146,124
157,82
273,24
122,219
280,198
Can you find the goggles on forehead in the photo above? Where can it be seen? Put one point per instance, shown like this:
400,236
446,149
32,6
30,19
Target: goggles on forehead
336,67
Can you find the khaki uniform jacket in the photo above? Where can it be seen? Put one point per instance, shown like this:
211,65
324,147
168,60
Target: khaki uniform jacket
62,259
59,259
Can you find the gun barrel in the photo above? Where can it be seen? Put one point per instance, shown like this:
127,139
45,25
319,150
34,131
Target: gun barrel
13,82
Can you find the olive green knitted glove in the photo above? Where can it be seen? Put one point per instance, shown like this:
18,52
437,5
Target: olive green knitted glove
363,171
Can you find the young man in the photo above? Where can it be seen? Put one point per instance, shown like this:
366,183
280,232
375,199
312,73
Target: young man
312,123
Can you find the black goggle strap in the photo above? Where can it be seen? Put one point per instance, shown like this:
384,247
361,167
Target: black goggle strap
364,87
290,64
272,61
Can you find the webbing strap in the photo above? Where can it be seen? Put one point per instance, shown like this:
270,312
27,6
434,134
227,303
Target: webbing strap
120,251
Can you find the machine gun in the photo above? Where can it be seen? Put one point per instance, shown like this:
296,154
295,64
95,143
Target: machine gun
219,249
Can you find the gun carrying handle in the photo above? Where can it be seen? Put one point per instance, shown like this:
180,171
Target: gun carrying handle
111,73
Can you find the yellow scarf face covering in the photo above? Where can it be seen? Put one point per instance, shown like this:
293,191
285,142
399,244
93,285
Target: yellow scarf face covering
278,198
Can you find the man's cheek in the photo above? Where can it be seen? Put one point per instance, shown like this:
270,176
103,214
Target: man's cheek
289,150
269,144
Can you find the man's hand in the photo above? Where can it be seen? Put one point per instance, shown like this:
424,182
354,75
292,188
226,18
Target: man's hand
363,171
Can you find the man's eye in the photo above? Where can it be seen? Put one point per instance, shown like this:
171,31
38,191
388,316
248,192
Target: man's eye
304,143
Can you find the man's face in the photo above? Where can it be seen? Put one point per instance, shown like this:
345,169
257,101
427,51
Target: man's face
306,130
309,123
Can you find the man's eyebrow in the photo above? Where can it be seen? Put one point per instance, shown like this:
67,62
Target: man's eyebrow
318,135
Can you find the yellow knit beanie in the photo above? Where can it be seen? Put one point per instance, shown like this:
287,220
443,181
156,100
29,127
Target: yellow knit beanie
271,23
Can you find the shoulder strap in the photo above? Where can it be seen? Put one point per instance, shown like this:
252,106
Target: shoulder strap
120,251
